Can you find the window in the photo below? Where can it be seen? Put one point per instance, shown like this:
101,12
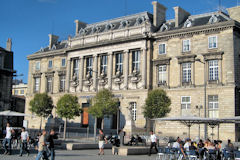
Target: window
75,67
186,72
212,42
186,45
162,48
185,105
49,84
63,64
104,64
62,84
37,84
162,74
21,91
16,92
134,110
136,60
37,67
213,106
213,70
89,63
119,62
50,64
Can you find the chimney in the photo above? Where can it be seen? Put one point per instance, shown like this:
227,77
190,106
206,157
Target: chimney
180,15
234,13
52,40
9,44
159,14
79,25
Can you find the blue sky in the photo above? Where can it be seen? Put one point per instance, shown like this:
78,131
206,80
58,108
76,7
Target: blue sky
28,22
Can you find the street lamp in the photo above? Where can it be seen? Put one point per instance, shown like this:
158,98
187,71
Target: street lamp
205,94
199,115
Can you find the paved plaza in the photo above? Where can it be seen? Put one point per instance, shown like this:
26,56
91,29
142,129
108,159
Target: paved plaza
79,155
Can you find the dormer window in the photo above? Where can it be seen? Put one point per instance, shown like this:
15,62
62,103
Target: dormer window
123,24
164,28
82,31
140,20
214,19
188,23
110,26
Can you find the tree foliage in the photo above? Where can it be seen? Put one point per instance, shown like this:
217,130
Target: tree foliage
41,105
68,106
103,104
157,104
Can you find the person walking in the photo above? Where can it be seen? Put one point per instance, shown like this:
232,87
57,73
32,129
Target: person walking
7,139
50,139
101,138
24,142
41,145
153,139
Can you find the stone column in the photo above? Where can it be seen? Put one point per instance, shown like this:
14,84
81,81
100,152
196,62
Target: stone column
68,75
144,67
95,72
110,68
81,66
126,69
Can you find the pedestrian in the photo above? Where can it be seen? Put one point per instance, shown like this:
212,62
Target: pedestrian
153,139
24,142
7,139
50,139
101,138
41,145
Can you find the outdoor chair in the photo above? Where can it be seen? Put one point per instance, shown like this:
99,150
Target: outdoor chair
226,155
192,155
169,153
161,154
237,155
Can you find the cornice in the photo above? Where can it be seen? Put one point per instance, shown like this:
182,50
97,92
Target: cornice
38,55
186,58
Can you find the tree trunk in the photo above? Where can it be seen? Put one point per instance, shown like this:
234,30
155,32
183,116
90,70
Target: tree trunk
95,130
102,125
65,128
40,127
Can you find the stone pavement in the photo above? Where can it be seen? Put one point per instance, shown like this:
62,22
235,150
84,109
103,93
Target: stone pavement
79,155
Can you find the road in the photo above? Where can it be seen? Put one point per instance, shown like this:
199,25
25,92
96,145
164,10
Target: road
78,155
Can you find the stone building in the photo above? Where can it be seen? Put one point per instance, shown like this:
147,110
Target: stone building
6,74
133,54
19,89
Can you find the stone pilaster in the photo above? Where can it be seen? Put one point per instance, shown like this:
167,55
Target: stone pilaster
95,72
126,68
110,67
144,67
81,67
68,75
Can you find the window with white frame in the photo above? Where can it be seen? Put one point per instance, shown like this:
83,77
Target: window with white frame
37,84
49,84
104,64
75,67
62,83
212,42
50,64
136,60
162,48
89,65
15,92
134,110
185,105
186,45
213,70
21,91
37,66
186,72
213,108
162,74
119,63
63,62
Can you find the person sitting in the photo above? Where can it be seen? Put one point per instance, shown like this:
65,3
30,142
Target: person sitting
177,143
230,148
133,140
138,140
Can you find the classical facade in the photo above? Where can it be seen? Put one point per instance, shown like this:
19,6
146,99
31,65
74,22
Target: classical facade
19,89
134,54
6,74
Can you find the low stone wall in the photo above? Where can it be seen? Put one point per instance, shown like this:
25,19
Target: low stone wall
124,151
82,146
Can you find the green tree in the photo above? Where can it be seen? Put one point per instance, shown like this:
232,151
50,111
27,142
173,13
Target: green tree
68,108
41,105
157,104
103,104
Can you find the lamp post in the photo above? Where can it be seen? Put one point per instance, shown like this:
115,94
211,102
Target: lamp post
199,114
205,94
